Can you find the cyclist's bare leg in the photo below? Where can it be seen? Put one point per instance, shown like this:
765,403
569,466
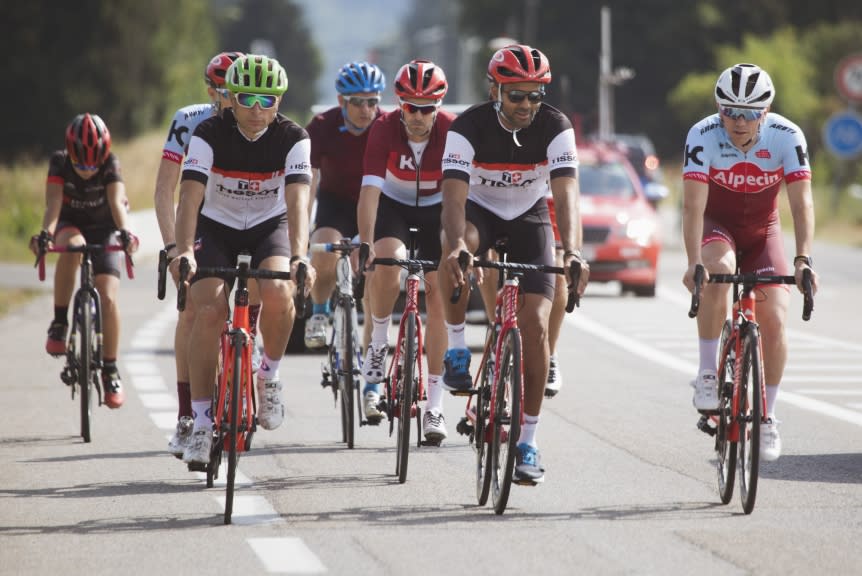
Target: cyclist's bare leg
718,258
277,310
533,323
456,313
182,333
772,310
108,287
67,266
210,301
488,287
366,323
435,331
324,264
558,307
385,282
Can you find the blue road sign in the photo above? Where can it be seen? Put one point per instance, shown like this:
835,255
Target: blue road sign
843,134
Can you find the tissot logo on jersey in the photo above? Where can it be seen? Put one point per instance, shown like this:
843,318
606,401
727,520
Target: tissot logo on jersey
746,177
247,189
454,160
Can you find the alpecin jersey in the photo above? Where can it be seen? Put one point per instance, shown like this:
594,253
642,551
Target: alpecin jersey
505,178
338,154
390,164
85,201
743,187
183,126
245,179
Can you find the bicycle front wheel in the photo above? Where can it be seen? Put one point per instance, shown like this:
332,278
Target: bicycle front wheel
507,419
85,360
726,447
406,391
483,452
345,375
233,443
750,415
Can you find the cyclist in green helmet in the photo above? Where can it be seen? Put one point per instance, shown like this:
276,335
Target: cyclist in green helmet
245,187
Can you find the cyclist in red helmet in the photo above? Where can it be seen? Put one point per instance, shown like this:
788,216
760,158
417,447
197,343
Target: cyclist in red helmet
183,125
400,190
501,159
85,202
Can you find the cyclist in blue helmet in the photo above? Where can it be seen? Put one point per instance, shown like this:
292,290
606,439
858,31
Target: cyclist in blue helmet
338,138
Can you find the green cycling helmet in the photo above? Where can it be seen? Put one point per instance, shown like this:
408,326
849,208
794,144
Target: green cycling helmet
256,74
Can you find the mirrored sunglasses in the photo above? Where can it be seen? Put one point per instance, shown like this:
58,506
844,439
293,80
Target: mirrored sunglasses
360,101
517,96
425,109
265,101
746,113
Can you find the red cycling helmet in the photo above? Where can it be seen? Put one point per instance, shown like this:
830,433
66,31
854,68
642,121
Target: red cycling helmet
88,141
217,68
421,79
519,63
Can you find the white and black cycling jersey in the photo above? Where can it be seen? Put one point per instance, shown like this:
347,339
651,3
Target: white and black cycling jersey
505,177
245,179
183,126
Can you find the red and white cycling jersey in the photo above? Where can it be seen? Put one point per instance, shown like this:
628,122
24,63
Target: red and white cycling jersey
186,119
506,178
743,187
245,179
390,163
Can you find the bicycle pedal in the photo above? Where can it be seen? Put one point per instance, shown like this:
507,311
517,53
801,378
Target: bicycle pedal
197,467
706,427
467,392
464,427
525,482
436,443
372,421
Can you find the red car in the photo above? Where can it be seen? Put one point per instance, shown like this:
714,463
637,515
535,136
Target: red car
621,227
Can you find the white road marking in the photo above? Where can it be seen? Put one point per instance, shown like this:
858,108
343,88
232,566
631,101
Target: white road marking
286,556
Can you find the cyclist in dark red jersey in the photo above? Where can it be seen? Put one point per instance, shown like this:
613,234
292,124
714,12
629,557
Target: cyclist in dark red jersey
735,162
400,190
501,157
338,138
183,126
244,189
86,203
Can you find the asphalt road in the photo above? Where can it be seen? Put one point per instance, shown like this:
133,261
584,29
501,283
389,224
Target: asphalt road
630,485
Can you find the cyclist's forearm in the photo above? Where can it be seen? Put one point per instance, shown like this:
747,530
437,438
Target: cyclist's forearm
566,205
163,199
695,195
312,191
191,196
452,216
117,201
802,210
366,212
296,197
53,206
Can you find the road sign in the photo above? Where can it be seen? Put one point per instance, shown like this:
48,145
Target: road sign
848,77
843,134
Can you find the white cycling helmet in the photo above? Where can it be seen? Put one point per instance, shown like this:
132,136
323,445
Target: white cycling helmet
745,85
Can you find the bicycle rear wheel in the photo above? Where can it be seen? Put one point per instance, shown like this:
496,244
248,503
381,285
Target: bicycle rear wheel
86,365
345,374
507,419
405,393
750,413
232,442
483,451
725,448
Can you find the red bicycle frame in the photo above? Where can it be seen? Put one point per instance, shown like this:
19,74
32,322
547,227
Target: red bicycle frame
411,305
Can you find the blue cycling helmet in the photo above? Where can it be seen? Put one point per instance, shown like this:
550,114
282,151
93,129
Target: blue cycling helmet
358,77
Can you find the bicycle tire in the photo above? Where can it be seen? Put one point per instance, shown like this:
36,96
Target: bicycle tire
218,432
345,376
725,449
85,360
483,451
751,386
509,390
405,400
233,440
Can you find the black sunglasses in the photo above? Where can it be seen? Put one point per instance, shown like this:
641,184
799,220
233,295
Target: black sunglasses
517,96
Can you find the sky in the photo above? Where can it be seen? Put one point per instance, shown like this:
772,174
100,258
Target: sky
347,30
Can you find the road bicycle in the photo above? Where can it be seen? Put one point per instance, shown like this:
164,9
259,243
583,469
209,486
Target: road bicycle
742,390
493,424
404,385
343,363
234,414
83,369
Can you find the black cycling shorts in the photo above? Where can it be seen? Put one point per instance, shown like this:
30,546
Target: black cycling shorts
217,245
337,213
394,220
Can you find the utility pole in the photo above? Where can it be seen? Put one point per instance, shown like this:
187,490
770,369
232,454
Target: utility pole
608,78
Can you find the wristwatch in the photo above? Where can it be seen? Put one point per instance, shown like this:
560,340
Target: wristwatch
804,258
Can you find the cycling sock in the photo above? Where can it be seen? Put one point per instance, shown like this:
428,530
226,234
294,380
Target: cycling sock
202,413
528,430
268,368
771,395
708,348
455,335
61,314
184,397
435,394
380,330
320,308
371,388
253,313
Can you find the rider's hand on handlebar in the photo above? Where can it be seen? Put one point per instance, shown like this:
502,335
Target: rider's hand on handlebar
174,266
131,243
40,242
800,266
310,275
583,278
688,277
